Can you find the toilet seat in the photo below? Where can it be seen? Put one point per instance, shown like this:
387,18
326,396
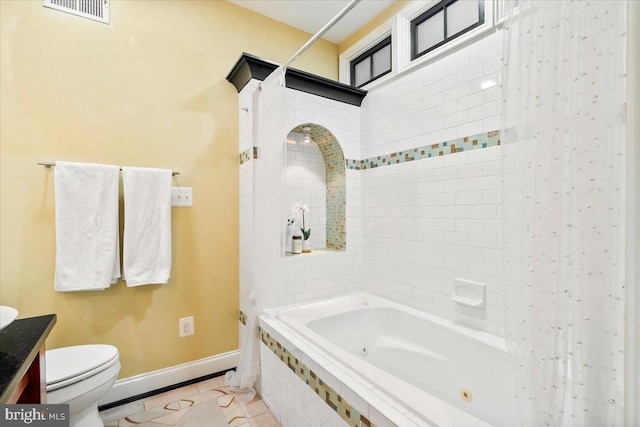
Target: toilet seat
69,365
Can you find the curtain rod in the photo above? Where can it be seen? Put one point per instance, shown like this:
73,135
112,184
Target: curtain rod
50,165
321,32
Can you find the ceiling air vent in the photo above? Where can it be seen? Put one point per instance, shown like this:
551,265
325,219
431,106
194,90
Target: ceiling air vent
98,10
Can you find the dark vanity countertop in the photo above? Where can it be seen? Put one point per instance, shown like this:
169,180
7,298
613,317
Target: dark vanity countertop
19,345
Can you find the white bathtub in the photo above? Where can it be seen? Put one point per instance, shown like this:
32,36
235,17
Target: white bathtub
421,365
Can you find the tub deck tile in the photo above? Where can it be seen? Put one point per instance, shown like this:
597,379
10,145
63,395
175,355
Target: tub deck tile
333,399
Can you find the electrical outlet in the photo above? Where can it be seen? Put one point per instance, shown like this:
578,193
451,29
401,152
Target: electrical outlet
181,196
186,326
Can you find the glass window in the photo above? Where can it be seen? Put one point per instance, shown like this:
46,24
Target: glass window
374,63
444,22
462,15
363,71
381,60
430,32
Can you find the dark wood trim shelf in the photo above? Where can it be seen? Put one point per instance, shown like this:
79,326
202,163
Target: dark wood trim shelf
251,67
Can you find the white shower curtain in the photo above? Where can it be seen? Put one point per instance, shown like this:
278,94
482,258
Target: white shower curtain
266,249
563,146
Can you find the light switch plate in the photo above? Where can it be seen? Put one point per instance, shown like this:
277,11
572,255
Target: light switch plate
181,196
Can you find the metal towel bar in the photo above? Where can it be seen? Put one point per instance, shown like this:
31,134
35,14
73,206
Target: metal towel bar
50,165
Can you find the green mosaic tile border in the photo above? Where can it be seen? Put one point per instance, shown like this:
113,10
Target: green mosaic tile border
336,402
468,143
248,154
243,318
245,156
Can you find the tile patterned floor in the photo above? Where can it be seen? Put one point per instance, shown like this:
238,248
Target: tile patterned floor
205,404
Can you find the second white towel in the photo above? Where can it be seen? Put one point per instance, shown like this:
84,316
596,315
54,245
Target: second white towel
147,226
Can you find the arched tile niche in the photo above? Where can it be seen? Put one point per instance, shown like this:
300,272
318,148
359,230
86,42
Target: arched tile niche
316,176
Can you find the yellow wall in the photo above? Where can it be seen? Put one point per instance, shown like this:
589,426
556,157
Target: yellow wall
147,90
373,24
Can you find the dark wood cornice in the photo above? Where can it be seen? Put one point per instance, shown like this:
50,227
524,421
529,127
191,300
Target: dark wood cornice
251,67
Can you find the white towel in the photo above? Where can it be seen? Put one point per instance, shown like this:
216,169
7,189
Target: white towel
87,246
147,225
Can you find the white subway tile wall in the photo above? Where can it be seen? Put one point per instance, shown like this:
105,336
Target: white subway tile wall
246,120
246,233
411,227
442,100
291,401
304,278
322,275
423,227
343,120
427,222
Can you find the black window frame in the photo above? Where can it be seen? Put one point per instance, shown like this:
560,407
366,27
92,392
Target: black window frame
440,7
369,53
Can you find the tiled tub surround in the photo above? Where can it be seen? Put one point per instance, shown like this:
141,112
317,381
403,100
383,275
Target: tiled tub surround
428,221
294,401
327,394
320,274
394,365
411,227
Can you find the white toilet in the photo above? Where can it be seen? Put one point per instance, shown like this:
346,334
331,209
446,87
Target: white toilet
80,376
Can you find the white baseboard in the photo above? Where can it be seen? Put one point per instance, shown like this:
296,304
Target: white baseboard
144,383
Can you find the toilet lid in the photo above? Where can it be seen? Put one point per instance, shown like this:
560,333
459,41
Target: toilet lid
70,362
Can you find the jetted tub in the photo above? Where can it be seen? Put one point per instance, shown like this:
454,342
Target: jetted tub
428,369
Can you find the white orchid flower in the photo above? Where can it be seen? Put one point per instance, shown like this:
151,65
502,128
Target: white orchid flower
297,211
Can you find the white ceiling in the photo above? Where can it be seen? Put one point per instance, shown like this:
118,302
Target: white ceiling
311,15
